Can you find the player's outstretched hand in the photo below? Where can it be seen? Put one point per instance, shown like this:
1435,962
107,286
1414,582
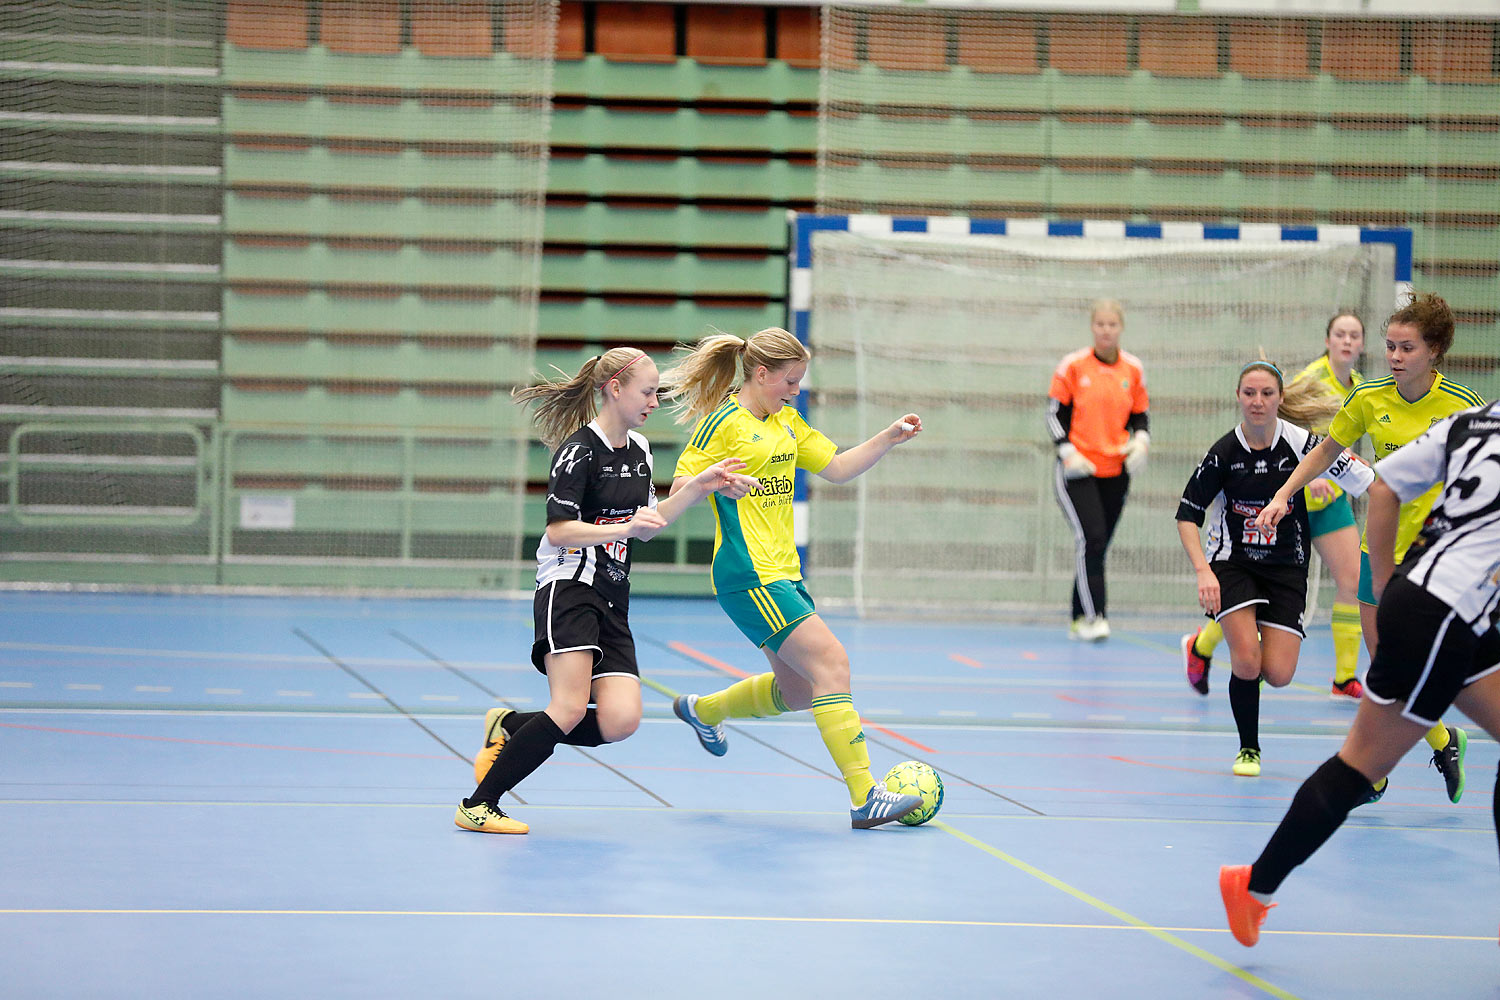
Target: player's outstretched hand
905,429
645,524
1271,514
724,477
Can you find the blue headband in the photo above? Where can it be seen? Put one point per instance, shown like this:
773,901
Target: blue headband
1262,364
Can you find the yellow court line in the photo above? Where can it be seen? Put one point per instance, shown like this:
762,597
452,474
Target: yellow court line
1161,934
720,917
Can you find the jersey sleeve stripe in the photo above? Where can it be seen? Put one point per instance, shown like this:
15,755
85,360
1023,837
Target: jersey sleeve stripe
1462,392
1371,385
710,424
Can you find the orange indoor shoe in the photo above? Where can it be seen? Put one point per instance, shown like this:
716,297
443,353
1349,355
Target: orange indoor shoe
1246,913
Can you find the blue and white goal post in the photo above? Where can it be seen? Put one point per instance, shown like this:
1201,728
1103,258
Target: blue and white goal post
963,320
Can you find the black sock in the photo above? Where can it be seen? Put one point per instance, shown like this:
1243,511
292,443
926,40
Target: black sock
1495,805
1320,807
1244,702
585,734
516,721
524,752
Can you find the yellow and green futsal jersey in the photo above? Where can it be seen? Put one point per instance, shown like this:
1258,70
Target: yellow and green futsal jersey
1323,372
1377,409
753,541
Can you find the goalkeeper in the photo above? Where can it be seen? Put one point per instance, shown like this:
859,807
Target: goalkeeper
1096,415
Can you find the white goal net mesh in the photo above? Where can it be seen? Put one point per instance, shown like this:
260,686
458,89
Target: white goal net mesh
966,331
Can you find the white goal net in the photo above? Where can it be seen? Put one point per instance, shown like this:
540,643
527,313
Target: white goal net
967,329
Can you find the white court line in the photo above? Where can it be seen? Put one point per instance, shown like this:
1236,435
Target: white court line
1031,715
957,713
156,688
15,684
85,687
1105,718
366,694
295,694
223,690
440,697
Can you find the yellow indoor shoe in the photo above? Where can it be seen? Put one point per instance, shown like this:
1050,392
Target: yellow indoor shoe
485,818
1247,764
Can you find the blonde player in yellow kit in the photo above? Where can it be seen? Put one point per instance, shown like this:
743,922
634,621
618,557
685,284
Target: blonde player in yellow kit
1394,411
1331,521
757,576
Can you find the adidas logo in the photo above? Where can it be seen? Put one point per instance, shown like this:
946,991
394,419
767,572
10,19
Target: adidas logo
1385,418
858,739
754,437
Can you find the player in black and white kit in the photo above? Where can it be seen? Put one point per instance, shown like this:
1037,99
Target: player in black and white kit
599,497
1251,581
1438,645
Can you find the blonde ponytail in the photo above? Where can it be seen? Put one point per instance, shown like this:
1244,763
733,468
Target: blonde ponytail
1308,402
565,404
705,376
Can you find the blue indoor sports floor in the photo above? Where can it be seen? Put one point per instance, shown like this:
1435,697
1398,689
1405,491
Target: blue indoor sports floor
253,797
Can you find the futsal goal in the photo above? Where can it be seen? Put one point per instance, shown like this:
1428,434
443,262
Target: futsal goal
963,321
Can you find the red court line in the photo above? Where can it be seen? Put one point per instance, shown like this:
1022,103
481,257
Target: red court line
221,743
704,658
967,661
717,664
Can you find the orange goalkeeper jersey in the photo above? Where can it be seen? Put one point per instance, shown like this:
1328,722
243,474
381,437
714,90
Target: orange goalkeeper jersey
1103,398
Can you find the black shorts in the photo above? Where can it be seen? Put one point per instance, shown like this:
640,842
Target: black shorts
1426,653
1279,593
571,616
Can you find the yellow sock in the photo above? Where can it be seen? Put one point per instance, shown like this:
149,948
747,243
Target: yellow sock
1209,638
1437,736
1346,635
755,697
838,724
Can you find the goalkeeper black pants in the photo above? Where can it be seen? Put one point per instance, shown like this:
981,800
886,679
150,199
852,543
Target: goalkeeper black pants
1092,506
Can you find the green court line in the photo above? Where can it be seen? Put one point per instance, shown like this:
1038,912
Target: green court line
720,917
1161,934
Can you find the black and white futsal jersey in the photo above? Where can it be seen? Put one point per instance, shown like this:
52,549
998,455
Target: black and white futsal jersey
1233,483
597,484
1456,558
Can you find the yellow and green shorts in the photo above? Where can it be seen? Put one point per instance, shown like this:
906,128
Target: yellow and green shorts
767,614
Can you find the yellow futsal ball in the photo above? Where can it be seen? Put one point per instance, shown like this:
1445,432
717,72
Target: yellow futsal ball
912,777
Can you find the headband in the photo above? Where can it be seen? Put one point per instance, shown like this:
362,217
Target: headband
624,366
1261,364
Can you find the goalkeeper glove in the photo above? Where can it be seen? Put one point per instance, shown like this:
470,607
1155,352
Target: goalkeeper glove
1134,450
1075,466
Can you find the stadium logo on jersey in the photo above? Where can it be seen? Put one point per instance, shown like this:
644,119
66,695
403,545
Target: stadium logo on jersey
790,433
1282,464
